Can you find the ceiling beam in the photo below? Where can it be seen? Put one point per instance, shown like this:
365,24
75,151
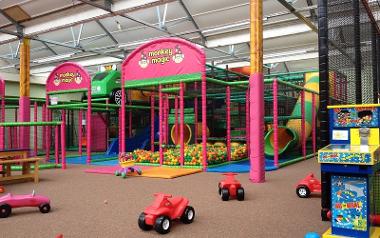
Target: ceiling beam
312,11
305,20
107,32
153,27
191,18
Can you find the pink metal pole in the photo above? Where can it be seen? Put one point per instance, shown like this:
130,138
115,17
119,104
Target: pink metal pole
152,122
119,126
2,138
80,118
275,122
181,123
160,116
314,124
88,126
228,107
196,114
303,131
122,148
16,130
204,118
130,116
63,136
35,129
167,119
47,137
247,121
56,144
164,119
176,120
44,127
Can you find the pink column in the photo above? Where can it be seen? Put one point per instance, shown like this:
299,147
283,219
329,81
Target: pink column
275,122
164,119
24,116
314,124
256,127
303,132
15,131
181,122
63,136
176,119
152,134
247,121
204,120
228,121
130,116
167,119
44,127
119,127
56,144
196,114
160,117
35,129
88,126
80,118
2,129
122,148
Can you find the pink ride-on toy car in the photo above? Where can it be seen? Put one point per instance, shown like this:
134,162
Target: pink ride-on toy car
10,201
164,209
308,185
230,187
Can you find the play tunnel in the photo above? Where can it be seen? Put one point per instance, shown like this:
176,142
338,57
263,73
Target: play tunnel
188,133
289,136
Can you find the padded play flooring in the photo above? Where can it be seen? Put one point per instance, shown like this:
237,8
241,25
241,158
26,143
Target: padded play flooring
151,172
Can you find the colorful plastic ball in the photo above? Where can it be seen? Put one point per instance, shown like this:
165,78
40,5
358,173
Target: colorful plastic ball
312,235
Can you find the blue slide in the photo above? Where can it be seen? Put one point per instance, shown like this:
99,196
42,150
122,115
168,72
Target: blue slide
140,141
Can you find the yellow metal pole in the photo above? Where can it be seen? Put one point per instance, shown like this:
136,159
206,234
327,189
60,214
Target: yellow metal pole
256,95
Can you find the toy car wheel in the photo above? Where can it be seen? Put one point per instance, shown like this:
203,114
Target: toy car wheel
138,171
5,211
143,226
225,194
117,173
240,194
303,191
188,215
44,208
124,175
219,189
163,225
115,96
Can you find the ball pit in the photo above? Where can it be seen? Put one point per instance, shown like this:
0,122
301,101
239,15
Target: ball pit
216,154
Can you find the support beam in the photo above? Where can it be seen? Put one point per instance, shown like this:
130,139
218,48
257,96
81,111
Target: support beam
191,18
291,9
107,32
312,11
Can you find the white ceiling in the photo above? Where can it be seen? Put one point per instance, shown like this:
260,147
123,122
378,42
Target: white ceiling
224,21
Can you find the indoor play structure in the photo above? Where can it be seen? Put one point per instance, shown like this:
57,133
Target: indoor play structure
352,162
192,95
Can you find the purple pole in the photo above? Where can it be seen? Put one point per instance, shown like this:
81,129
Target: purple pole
313,124
160,123
63,136
167,119
2,138
35,129
181,123
88,126
303,137
130,115
119,126
56,145
47,116
44,127
275,122
152,122
164,119
80,118
228,106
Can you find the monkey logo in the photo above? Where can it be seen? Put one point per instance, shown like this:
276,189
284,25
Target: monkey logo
143,61
78,78
56,80
178,56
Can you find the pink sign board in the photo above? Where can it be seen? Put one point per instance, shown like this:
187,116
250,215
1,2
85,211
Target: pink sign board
163,57
68,76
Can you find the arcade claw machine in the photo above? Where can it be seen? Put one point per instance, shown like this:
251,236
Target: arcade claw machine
352,163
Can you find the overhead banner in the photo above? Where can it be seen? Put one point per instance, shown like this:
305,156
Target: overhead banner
68,76
163,57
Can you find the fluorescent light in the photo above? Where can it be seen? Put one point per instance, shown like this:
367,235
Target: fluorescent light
225,27
52,58
134,44
285,53
267,34
287,58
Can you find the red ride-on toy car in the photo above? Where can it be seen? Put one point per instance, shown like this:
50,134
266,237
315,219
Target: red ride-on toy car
308,185
230,187
163,211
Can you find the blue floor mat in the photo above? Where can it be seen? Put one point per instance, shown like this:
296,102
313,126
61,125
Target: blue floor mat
83,159
243,167
107,162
